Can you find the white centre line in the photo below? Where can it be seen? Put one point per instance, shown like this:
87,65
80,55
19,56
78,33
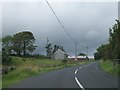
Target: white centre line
76,71
79,84
80,67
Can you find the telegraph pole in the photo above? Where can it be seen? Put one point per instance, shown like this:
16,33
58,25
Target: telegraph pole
87,50
76,50
47,40
47,46
65,30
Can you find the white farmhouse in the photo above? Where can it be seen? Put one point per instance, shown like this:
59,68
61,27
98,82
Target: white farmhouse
59,55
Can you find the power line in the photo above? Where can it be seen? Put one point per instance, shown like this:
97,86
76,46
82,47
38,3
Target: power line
65,30
60,22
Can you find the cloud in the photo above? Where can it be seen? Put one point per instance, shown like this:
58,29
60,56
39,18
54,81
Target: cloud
88,23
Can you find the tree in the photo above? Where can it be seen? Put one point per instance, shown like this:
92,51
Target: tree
17,43
49,50
6,50
6,59
56,47
61,48
28,41
52,49
97,56
112,49
6,44
102,52
114,40
82,54
23,43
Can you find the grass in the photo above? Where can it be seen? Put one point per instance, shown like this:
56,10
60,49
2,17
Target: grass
0,82
109,67
31,67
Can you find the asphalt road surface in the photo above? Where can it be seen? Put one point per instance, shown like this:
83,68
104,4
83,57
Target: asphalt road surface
82,76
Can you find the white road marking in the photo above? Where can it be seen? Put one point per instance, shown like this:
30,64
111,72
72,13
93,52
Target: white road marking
79,84
80,67
76,71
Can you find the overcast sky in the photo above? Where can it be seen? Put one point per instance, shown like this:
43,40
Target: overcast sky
87,22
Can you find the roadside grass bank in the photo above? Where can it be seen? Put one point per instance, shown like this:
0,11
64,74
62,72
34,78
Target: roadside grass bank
0,82
28,67
109,67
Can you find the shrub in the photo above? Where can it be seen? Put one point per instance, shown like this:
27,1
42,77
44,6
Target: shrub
64,61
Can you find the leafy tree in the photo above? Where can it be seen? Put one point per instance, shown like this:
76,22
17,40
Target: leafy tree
28,42
56,47
6,59
6,44
97,56
61,48
52,49
0,57
114,40
82,54
6,50
23,43
102,52
17,43
112,49
49,50
0,39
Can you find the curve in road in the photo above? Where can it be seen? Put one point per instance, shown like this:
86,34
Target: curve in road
83,76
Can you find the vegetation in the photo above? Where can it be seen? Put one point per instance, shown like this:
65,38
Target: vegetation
27,67
64,61
50,49
111,50
82,54
20,44
108,66
6,59
23,43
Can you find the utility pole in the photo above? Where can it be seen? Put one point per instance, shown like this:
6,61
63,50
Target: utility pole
47,40
76,50
65,30
47,46
87,51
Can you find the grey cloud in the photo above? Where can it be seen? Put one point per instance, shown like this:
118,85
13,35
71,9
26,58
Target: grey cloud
88,23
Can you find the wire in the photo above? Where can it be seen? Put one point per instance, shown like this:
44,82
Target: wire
60,23
64,28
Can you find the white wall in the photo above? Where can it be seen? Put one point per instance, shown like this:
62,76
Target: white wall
59,55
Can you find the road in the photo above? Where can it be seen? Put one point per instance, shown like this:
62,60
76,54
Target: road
83,76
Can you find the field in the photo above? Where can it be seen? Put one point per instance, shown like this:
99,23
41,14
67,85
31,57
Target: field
27,67
109,67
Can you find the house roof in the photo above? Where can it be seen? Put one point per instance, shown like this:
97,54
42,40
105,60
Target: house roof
77,57
59,50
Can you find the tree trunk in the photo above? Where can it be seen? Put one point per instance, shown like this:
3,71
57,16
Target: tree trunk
24,49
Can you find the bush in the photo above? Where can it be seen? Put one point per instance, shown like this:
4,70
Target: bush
64,61
36,56
6,59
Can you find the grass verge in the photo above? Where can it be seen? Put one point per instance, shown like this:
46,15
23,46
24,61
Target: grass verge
27,67
109,67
